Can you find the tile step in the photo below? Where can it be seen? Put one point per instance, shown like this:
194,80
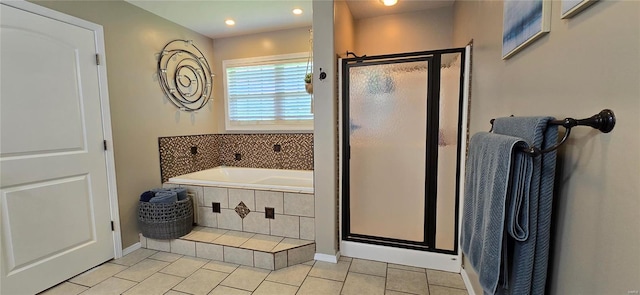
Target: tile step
255,250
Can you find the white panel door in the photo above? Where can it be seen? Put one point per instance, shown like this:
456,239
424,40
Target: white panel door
55,210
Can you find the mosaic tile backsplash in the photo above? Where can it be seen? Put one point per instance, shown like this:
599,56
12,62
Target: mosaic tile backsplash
273,151
176,157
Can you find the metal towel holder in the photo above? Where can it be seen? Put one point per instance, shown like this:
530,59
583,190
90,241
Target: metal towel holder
604,121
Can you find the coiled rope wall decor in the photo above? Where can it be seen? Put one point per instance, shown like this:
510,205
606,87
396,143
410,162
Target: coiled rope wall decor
184,75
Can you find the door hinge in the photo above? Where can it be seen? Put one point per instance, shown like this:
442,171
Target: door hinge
97,59
104,142
113,228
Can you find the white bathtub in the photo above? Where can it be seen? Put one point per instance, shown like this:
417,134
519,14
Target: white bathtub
250,178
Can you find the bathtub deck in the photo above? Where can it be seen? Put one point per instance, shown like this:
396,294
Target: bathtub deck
255,250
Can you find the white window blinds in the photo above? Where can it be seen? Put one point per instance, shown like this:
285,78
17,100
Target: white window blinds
267,94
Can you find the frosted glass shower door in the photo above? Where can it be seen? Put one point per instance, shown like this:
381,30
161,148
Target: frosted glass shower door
387,138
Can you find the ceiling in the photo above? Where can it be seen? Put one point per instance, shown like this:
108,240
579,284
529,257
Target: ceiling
371,8
255,16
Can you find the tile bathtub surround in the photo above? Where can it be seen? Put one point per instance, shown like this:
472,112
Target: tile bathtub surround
236,247
201,276
256,150
294,212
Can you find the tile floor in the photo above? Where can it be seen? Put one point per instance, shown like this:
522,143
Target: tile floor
249,249
147,271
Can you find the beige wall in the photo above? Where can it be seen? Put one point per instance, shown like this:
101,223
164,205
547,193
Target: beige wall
406,32
254,45
344,40
139,114
324,134
583,65
344,29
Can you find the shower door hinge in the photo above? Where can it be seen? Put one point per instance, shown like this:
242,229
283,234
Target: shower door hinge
104,142
97,59
113,228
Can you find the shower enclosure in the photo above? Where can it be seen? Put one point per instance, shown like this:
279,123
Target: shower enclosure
402,143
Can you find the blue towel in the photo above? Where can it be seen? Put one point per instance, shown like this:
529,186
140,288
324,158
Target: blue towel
146,196
495,175
528,268
182,192
164,197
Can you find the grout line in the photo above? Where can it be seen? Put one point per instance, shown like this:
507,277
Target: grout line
411,270
386,275
446,286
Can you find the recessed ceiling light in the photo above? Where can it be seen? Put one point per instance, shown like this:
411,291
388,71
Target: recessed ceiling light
389,2
297,11
230,22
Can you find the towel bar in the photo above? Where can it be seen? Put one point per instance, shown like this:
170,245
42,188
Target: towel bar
604,121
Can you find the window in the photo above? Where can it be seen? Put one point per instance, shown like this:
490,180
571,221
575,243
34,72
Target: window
267,93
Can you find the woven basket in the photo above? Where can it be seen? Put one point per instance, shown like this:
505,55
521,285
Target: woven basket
165,220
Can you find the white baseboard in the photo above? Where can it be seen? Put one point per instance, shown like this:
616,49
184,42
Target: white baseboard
431,260
467,281
327,257
131,248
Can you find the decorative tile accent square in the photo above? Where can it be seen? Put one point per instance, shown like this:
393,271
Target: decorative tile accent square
269,213
242,210
242,195
215,207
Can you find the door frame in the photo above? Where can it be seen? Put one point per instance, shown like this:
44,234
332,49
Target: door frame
104,105
450,261
433,59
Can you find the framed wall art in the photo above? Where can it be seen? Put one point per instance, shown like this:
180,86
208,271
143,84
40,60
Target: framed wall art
570,8
523,22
